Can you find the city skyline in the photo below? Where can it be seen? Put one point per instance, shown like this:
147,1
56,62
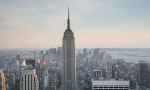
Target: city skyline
104,23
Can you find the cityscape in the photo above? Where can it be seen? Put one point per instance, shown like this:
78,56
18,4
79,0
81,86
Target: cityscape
70,66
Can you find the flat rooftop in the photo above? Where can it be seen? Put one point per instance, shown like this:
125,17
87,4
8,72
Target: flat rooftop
111,82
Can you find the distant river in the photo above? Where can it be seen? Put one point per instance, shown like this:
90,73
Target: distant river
129,54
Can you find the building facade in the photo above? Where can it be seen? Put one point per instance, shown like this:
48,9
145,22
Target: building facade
69,62
45,79
2,81
143,71
110,85
28,80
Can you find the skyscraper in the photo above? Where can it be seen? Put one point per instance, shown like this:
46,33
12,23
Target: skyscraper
28,80
69,62
2,81
143,72
44,78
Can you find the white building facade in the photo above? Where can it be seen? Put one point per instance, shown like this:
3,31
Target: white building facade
110,85
45,79
29,80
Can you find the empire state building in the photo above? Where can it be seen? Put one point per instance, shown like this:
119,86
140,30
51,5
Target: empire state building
69,62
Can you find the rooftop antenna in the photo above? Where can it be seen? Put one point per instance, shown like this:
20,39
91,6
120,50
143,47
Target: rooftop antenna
68,20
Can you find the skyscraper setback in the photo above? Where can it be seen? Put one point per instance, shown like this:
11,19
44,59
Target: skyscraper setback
69,62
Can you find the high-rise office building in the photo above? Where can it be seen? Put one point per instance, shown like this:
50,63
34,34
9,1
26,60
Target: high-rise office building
12,81
113,71
45,79
38,70
28,80
17,84
53,85
69,62
143,72
2,81
111,84
115,83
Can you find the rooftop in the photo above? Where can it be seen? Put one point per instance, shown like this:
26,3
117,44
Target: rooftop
110,82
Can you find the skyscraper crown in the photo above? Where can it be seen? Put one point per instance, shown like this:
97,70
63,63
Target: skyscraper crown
68,32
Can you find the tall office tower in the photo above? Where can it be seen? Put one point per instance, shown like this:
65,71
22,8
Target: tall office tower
38,70
69,62
2,81
53,84
17,84
113,71
45,79
117,74
28,80
143,72
12,81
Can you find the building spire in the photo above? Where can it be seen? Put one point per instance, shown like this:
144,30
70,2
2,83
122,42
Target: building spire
68,20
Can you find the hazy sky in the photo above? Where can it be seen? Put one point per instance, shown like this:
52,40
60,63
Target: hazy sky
96,23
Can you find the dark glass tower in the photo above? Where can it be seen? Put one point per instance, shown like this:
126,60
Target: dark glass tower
69,62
